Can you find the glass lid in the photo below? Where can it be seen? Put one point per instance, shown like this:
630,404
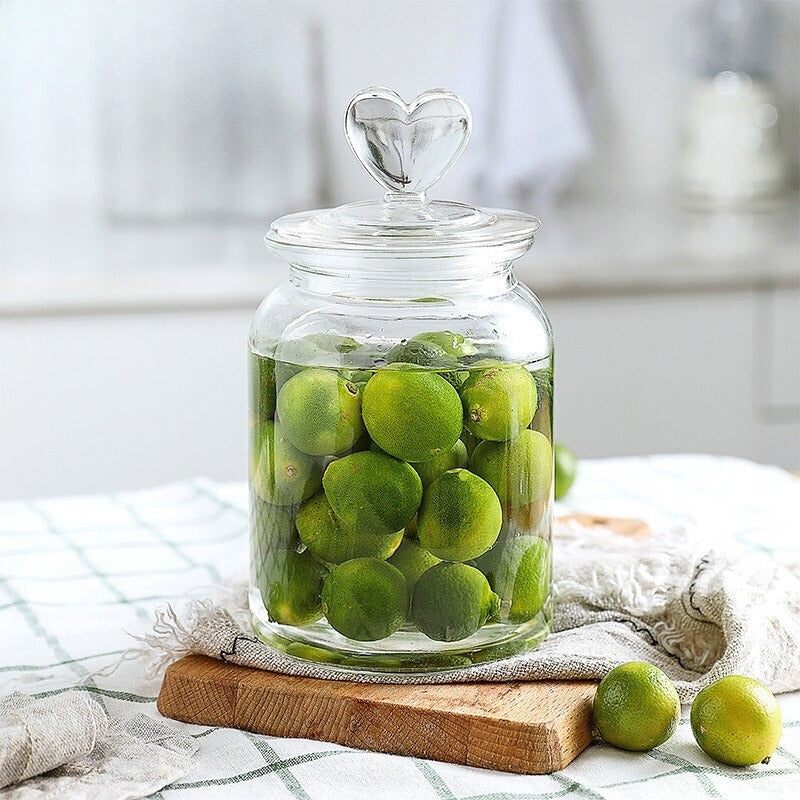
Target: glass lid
406,148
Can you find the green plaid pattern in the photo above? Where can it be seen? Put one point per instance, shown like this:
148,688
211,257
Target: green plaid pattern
79,575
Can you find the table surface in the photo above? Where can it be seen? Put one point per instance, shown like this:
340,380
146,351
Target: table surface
80,575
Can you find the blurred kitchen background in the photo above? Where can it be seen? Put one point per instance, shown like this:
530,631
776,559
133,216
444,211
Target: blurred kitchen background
146,144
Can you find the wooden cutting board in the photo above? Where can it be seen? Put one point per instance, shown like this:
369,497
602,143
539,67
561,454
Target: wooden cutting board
532,727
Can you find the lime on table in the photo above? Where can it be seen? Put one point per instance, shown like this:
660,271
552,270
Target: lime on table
452,601
737,721
566,464
636,707
365,599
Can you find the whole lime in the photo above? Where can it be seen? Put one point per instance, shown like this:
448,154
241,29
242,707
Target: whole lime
454,344
452,601
279,472
412,560
737,721
455,457
411,414
320,412
499,401
520,471
332,542
522,577
460,516
292,589
566,463
636,707
425,354
365,599
372,491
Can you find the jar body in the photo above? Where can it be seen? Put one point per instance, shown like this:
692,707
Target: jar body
401,471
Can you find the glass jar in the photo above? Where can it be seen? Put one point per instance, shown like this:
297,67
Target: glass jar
401,467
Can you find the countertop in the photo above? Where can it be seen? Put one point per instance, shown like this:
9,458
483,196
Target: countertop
583,249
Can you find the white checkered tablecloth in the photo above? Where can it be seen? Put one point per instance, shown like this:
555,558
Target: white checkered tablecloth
79,574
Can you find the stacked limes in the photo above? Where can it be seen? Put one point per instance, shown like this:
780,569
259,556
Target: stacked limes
392,485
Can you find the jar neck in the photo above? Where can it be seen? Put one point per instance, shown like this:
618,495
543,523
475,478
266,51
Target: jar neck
392,286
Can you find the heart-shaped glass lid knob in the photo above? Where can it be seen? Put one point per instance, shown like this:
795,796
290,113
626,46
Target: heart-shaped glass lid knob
407,147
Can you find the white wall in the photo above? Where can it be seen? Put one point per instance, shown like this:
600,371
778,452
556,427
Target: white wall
51,133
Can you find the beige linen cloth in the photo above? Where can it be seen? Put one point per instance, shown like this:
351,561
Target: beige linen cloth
65,746
697,613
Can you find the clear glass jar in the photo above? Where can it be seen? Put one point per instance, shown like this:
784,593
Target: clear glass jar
401,466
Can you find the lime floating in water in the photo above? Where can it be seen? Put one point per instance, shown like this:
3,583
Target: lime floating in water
460,516
452,601
737,721
411,414
636,707
499,401
454,458
279,472
520,471
453,344
332,542
373,491
320,412
293,589
412,560
365,599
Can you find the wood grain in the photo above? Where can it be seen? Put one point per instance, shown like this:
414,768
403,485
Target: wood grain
529,727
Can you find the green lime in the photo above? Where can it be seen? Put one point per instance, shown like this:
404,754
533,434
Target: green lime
451,601
279,472
453,344
411,414
737,721
424,354
365,599
262,387
372,491
332,542
320,412
455,457
520,471
499,401
566,467
460,516
636,707
412,560
293,587
523,577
